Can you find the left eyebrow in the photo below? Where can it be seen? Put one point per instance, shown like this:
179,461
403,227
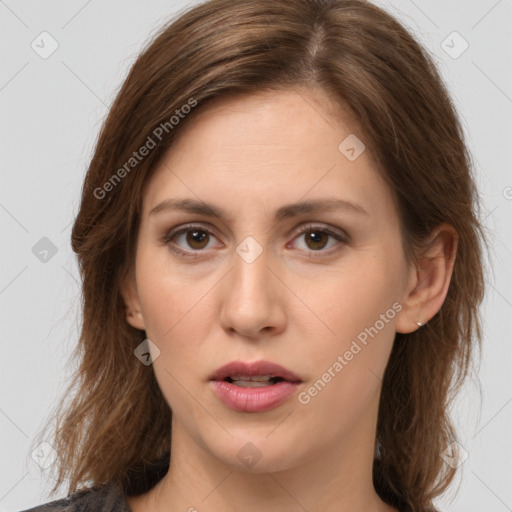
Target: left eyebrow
284,212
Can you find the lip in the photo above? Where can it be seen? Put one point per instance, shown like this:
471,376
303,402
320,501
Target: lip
257,399
254,368
253,399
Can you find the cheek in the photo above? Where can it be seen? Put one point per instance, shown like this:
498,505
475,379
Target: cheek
178,312
358,306
177,319
168,296
353,297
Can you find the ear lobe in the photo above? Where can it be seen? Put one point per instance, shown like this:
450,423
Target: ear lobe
430,285
135,319
131,299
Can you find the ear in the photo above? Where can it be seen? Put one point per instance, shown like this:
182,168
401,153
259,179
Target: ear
429,280
131,299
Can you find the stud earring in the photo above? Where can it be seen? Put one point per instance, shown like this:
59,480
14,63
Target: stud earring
419,324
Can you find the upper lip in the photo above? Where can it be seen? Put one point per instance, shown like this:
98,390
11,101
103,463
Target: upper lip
255,368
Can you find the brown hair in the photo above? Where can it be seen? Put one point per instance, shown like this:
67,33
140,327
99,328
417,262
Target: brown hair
117,423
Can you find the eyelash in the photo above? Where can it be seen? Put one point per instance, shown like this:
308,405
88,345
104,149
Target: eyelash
169,236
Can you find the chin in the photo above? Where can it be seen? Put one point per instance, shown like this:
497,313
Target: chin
256,454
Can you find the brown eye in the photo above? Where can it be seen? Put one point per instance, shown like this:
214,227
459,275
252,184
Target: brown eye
316,240
189,240
196,239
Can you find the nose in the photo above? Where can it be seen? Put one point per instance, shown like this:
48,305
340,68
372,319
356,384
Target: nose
253,299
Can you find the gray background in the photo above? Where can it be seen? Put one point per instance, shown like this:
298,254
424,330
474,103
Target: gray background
51,112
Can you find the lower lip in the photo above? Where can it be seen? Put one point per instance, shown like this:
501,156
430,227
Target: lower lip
253,399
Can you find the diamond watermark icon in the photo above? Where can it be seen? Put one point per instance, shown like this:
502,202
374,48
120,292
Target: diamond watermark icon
44,455
44,45
454,455
147,352
44,250
249,455
249,249
351,147
454,45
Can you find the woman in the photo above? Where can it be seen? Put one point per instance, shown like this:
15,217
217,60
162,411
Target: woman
282,266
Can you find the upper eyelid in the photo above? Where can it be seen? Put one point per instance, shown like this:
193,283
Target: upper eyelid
320,227
304,227
189,227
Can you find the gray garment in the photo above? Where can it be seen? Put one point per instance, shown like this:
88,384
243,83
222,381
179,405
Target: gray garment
108,498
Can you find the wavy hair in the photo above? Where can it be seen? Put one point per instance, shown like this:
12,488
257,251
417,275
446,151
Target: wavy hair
113,422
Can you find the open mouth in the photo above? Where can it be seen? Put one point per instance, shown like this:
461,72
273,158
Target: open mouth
253,382
256,386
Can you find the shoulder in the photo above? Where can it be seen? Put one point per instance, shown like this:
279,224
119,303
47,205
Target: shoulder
107,498
52,506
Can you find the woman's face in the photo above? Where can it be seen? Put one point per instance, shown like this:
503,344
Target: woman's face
317,290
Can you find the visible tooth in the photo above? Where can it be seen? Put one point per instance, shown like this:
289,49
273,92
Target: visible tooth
251,383
254,378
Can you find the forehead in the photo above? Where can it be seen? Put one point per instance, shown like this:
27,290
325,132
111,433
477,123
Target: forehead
276,146
265,113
